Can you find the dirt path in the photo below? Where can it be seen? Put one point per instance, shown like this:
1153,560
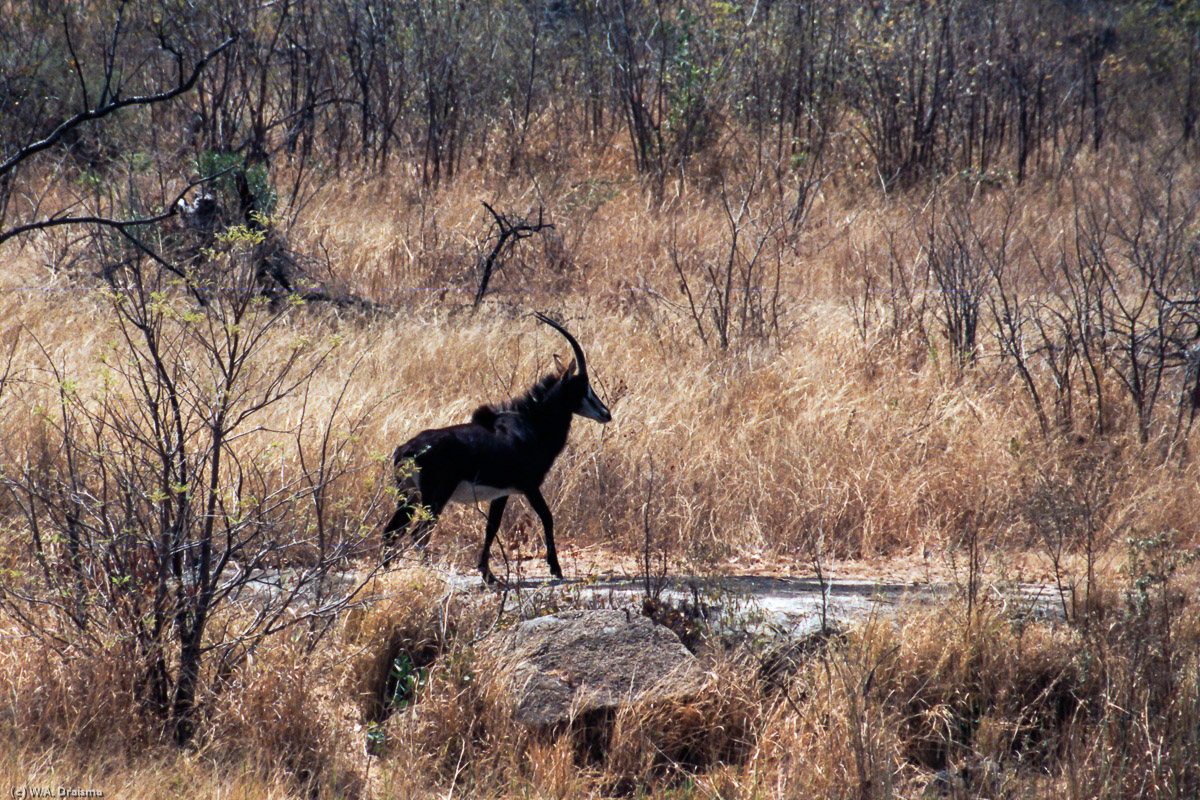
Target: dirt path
742,596
795,606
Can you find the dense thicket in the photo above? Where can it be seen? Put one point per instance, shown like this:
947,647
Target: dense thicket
920,87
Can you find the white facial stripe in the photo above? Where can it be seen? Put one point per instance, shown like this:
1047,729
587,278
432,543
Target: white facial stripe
593,408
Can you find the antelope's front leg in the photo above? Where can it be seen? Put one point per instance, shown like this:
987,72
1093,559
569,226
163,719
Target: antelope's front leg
543,511
495,513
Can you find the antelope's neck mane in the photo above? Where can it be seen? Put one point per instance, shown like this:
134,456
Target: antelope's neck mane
527,403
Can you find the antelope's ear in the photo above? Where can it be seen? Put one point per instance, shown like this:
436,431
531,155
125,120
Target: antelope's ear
570,370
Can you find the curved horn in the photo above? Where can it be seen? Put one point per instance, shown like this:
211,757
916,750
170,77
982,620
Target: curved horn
579,359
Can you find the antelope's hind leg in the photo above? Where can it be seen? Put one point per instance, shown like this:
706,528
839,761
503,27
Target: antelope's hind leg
398,522
404,471
412,516
413,512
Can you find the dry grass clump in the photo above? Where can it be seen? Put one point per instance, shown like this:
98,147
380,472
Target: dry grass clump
983,708
665,743
460,730
984,690
1144,726
431,713
411,619
275,716
165,774
70,701
269,723
962,700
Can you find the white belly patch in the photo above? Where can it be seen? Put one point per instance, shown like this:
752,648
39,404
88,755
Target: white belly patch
467,492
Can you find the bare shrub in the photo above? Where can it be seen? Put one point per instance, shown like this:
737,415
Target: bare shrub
888,302
1069,508
736,293
958,272
150,503
1123,312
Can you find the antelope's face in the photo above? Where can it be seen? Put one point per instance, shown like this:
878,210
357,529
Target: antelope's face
575,374
592,408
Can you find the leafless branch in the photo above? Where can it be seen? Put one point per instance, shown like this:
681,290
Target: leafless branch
511,230
106,106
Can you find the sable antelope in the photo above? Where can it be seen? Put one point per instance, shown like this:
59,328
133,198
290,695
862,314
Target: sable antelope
504,449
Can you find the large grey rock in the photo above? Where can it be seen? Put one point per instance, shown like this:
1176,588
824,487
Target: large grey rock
562,665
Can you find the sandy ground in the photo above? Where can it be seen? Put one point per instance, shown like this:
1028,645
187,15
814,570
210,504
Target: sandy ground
780,595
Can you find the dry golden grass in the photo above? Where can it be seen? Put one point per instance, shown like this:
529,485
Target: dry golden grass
825,439
871,445
956,701
166,775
